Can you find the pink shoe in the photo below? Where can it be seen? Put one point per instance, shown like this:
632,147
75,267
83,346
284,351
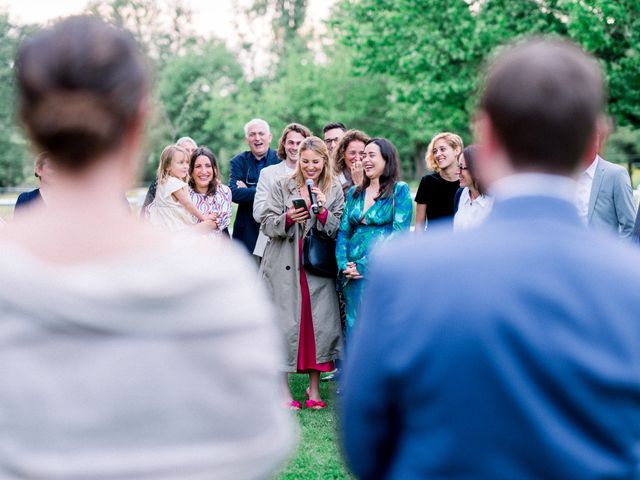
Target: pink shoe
314,405
293,405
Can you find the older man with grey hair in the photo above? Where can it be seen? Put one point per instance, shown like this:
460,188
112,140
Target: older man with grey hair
189,144
243,179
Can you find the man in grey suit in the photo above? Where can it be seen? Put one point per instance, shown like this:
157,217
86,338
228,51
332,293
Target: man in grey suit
605,198
290,140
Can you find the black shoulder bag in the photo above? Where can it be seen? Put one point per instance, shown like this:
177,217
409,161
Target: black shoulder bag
319,254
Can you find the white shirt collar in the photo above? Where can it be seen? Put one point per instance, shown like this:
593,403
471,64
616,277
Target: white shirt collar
527,184
591,169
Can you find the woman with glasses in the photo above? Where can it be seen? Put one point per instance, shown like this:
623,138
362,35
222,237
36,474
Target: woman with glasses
347,159
472,205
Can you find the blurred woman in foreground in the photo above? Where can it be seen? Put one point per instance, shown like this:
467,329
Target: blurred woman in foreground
109,371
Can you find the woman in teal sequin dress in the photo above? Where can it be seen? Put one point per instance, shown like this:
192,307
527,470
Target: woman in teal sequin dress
373,212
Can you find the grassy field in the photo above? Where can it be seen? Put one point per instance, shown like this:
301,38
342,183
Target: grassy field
318,456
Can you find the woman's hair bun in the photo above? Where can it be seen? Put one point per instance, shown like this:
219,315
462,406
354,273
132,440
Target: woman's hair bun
80,86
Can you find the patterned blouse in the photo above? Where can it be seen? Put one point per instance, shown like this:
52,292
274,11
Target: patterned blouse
219,203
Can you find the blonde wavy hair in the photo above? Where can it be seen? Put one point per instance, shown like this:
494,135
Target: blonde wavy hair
318,146
454,142
167,155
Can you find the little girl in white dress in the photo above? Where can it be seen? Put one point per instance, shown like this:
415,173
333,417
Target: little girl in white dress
172,208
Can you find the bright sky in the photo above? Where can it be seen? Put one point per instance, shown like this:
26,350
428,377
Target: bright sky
210,16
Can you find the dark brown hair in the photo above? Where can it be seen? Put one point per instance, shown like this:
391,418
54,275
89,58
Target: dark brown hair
204,152
81,83
469,154
292,127
544,98
332,125
390,174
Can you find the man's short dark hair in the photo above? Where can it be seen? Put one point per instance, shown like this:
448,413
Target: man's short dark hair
332,125
544,98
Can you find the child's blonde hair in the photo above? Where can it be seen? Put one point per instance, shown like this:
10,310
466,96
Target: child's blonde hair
166,157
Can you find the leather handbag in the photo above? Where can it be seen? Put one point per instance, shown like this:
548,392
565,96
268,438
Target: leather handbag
319,254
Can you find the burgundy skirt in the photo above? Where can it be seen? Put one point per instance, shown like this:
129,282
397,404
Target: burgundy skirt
307,340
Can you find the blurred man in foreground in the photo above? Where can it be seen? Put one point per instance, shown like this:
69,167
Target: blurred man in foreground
528,365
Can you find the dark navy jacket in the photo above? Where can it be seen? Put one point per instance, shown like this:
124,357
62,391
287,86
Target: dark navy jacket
245,169
27,199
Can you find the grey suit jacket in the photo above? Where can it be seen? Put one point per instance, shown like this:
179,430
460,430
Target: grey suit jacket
268,177
611,204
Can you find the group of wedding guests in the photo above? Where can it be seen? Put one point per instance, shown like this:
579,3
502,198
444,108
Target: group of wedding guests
132,360
356,197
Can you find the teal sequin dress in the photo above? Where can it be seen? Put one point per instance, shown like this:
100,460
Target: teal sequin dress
361,231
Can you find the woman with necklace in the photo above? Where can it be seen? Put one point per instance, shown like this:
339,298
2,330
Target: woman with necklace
434,200
206,191
307,304
375,210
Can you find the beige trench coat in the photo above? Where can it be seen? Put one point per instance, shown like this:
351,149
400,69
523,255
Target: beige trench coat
280,270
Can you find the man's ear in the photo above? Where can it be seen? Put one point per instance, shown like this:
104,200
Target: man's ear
593,146
491,159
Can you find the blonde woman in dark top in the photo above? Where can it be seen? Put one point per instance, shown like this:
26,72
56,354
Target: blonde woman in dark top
436,191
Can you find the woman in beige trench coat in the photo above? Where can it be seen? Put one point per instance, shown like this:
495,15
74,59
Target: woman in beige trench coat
307,305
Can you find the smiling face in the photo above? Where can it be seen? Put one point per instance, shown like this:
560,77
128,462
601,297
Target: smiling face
202,173
463,172
258,138
354,151
444,154
179,166
373,163
311,165
291,145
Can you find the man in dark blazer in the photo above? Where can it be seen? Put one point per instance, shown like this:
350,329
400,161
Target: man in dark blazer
45,174
524,360
243,179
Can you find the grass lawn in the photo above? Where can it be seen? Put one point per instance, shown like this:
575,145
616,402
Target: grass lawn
318,455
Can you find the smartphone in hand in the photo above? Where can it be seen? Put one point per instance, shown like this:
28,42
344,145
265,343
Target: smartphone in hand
299,203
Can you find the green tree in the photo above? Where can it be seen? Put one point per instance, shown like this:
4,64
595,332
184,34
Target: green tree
432,53
611,31
13,149
163,29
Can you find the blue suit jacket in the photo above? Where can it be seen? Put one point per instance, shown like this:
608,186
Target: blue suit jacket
507,352
243,167
611,204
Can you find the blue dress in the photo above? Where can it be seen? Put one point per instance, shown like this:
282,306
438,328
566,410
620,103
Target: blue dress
361,231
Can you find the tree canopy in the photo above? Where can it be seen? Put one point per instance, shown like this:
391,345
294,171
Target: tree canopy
403,69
